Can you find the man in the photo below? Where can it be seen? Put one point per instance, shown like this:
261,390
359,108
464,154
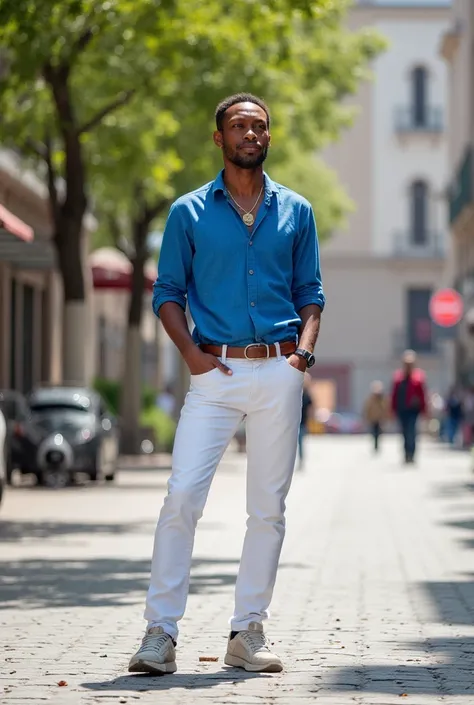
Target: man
408,401
376,411
244,252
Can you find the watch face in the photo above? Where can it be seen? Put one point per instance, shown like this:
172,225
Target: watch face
311,360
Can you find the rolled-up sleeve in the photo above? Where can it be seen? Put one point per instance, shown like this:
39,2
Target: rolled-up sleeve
175,262
307,286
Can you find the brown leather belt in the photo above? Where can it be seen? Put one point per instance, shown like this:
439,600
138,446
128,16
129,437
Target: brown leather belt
254,351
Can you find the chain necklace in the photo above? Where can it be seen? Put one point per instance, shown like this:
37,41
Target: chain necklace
247,217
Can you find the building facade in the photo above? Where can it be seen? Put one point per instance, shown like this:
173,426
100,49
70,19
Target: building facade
30,293
457,50
380,272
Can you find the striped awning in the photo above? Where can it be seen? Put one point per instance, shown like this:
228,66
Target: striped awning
13,225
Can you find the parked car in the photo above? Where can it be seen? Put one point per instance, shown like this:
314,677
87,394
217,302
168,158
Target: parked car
69,431
17,415
3,455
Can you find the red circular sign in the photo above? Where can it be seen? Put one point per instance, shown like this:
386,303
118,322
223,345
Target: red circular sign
446,307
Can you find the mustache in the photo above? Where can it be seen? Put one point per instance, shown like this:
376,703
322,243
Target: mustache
250,144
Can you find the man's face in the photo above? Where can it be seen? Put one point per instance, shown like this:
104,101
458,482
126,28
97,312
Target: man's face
244,138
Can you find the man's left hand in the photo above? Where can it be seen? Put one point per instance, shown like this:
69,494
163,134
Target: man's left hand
298,362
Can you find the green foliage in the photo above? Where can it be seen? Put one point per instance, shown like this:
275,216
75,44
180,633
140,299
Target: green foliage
110,391
163,427
309,176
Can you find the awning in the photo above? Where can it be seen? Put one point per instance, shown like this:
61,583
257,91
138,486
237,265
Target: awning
14,225
111,269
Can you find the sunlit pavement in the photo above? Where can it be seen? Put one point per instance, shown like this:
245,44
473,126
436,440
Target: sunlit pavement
374,601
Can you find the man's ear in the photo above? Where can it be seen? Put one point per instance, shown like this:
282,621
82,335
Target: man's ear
218,141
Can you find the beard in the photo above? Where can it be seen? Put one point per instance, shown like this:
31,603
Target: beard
245,161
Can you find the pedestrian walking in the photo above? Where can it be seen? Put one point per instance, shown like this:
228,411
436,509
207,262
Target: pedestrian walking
306,410
243,252
408,401
454,414
376,410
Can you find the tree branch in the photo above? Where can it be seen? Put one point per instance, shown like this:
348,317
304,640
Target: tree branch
80,44
121,100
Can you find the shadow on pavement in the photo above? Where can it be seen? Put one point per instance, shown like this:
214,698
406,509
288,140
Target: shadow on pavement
194,681
40,530
99,582
450,675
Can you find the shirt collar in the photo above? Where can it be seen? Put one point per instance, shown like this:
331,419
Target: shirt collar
270,186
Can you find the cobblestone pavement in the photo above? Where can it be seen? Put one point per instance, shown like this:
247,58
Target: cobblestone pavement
374,601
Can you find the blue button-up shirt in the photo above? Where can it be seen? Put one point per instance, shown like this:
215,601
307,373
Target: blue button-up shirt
242,287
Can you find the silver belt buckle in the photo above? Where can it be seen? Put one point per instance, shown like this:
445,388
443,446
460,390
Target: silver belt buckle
257,345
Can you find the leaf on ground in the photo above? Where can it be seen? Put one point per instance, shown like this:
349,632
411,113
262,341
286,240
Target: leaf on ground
209,658
62,683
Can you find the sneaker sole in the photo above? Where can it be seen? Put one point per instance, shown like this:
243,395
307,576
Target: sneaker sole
156,669
254,668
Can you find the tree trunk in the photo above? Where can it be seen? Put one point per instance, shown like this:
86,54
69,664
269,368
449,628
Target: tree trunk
68,214
130,404
131,398
69,248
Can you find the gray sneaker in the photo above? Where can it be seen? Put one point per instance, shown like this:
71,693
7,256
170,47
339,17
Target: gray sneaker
249,649
156,655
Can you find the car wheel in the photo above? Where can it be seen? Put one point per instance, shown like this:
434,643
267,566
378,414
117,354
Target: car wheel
97,472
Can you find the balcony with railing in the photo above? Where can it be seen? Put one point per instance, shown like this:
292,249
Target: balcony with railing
410,120
461,190
427,245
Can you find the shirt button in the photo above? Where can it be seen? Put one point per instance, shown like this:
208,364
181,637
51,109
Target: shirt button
250,243
250,271
252,303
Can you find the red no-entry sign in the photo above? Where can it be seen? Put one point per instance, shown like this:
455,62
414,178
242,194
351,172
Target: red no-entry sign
446,307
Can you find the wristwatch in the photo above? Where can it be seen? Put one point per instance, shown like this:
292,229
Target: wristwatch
306,355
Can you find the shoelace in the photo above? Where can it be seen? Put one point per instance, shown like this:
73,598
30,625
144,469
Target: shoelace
155,642
255,641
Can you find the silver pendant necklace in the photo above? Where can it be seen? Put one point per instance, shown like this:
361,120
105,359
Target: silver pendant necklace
247,216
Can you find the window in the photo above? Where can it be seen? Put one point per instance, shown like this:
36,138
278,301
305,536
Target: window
420,330
419,85
419,212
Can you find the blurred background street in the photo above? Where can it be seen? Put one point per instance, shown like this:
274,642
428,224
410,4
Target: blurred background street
375,596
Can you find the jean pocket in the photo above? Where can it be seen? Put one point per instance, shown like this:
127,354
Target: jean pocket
295,369
206,375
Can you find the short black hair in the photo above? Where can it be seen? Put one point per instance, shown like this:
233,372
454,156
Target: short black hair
227,103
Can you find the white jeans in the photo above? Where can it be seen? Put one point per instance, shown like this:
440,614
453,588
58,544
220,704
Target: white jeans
268,393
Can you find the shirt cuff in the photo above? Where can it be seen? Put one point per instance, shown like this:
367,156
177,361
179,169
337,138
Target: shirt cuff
160,300
309,299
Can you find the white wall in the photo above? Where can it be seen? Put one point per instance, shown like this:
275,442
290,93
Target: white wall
399,160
